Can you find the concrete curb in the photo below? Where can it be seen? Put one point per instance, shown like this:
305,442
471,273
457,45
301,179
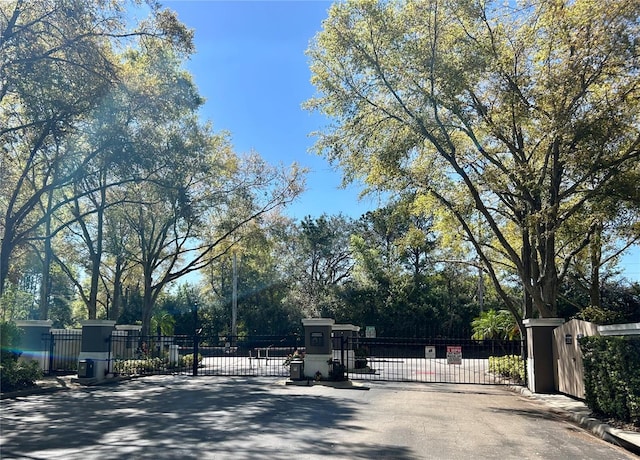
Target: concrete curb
626,439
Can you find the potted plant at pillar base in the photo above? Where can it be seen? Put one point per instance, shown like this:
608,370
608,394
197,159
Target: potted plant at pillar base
295,363
296,355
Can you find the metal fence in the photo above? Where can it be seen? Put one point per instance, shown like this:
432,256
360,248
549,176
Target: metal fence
61,348
436,360
218,355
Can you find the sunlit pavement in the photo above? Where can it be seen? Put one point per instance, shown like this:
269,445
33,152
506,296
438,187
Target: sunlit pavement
262,418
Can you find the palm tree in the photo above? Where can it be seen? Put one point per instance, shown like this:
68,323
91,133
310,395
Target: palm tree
495,325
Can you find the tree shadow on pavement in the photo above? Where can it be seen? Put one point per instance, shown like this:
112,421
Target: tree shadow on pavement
181,417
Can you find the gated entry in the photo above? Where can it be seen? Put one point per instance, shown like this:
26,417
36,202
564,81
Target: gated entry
435,360
217,355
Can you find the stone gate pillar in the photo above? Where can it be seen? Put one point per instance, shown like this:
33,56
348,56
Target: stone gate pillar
318,346
540,364
93,362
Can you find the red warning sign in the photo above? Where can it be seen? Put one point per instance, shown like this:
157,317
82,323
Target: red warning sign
454,355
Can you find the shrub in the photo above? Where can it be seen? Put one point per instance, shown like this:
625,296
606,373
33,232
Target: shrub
611,377
187,360
138,366
15,375
511,366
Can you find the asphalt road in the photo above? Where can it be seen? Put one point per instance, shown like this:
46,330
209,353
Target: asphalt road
261,418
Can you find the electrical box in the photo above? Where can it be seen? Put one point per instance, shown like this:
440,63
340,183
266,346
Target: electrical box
296,369
85,369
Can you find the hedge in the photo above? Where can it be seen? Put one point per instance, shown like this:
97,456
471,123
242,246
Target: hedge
612,376
14,374
511,366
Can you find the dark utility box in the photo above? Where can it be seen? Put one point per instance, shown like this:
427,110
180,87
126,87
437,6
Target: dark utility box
85,369
297,369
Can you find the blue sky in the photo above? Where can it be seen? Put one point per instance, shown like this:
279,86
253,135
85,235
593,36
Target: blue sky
251,68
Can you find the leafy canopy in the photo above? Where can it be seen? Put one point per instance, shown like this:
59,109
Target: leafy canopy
506,117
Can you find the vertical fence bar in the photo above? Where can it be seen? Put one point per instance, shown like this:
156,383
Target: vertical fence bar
195,355
195,339
51,351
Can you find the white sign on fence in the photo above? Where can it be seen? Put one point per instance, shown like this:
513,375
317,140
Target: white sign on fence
430,352
370,332
454,355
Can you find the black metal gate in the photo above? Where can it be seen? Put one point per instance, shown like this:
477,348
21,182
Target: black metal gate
435,360
428,360
216,355
61,348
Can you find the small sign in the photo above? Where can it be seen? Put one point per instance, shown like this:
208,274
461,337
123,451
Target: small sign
454,355
430,352
370,332
317,339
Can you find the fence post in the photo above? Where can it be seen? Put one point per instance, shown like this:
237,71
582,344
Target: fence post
195,339
52,346
195,354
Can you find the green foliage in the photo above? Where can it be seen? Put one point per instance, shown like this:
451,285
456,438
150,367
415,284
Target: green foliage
510,366
323,263
600,315
139,366
187,360
612,380
15,375
457,104
619,300
10,336
492,324
18,300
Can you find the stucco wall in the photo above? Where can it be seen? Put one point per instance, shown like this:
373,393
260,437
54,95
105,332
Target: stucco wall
568,356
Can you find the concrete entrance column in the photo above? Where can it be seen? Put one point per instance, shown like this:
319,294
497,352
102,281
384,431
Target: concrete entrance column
33,343
540,364
318,346
93,362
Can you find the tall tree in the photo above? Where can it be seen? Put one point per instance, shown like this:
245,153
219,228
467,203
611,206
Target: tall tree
56,66
154,101
322,261
520,115
185,224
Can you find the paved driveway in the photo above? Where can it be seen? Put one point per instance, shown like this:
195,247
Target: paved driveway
261,418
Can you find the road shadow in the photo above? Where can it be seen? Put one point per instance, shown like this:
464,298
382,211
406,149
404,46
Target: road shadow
183,417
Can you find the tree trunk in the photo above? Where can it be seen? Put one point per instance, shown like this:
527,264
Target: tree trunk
116,304
5,251
45,283
595,252
147,302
